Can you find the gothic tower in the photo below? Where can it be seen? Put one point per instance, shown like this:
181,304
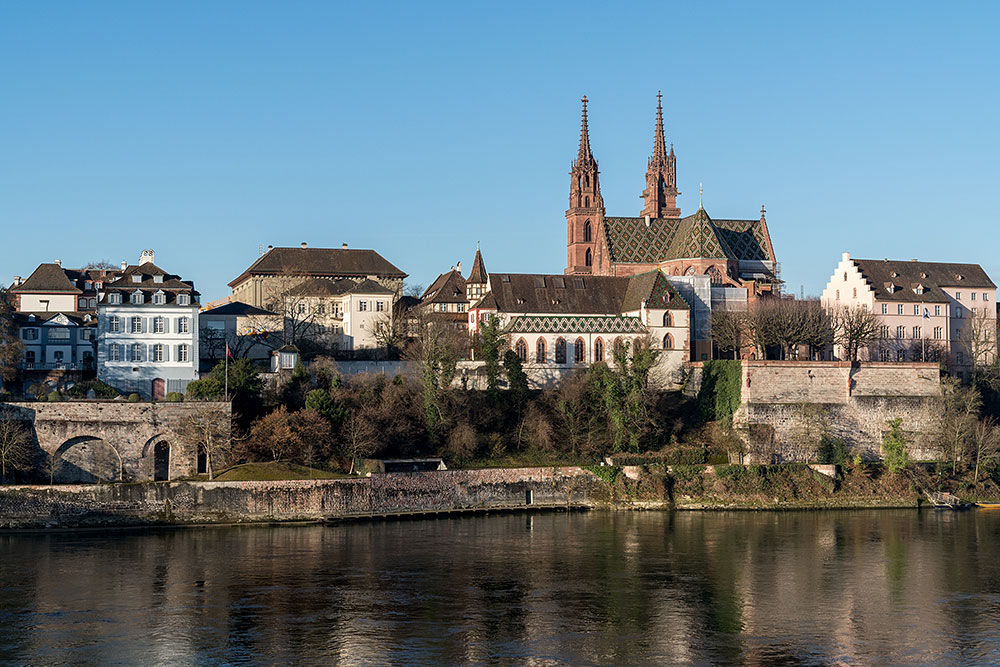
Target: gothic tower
660,195
586,207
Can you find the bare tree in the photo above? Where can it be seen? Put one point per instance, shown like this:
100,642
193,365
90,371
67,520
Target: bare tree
854,329
15,446
978,339
358,439
389,334
960,408
208,428
729,330
985,443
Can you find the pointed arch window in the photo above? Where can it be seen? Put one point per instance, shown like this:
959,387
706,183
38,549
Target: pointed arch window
540,351
668,321
668,342
587,232
588,258
561,351
598,350
579,351
521,350
586,202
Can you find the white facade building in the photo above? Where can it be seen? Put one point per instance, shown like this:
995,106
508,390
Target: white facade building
148,331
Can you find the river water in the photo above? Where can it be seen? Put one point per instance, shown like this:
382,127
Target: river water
686,588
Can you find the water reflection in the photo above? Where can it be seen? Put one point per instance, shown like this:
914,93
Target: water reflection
600,588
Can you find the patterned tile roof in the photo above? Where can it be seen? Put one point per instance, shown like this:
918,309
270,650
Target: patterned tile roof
653,289
634,241
575,324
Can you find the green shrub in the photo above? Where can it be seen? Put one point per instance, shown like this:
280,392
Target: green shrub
832,451
134,398
719,396
174,397
54,397
206,388
686,473
608,474
101,390
894,447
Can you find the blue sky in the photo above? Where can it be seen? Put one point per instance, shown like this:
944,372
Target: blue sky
205,130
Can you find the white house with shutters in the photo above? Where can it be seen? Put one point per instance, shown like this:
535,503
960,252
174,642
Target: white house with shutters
148,331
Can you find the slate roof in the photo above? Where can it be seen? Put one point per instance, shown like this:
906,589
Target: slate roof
632,241
320,262
47,278
370,287
579,295
39,319
337,287
171,285
906,276
446,288
237,308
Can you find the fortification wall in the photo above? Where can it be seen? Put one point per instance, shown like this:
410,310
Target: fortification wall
112,440
225,502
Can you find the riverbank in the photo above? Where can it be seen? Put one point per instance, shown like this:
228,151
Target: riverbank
397,495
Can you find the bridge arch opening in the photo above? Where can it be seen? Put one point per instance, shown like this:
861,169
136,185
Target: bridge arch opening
85,459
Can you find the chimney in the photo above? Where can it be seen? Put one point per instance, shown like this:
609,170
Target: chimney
124,265
17,280
303,244
59,262
458,267
270,248
344,246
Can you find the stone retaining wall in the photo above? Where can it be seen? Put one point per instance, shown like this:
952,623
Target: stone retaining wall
225,502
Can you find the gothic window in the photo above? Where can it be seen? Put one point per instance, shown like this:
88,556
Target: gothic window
540,351
598,350
588,258
587,232
586,202
561,351
579,351
619,345
668,342
521,350
586,179
667,320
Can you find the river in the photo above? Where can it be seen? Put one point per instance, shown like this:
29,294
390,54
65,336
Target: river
687,588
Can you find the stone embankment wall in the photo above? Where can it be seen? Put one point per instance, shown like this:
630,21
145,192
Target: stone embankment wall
113,440
225,502
785,404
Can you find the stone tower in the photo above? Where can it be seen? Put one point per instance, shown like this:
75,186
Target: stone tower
660,195
586,206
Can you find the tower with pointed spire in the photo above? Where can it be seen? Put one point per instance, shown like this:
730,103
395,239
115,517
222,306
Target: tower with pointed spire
660,195
586,206
477,284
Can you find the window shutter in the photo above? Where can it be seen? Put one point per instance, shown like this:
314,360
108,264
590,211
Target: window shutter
166,325
166,352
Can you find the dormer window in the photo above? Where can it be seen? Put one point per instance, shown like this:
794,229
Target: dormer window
919,289
159,298
158,279
893,275
183,299
923,275
136,297
959,276
136,278
88,285
115,298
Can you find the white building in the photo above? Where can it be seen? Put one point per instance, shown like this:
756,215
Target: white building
148,331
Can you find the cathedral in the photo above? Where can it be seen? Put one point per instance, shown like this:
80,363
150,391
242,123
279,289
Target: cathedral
732,253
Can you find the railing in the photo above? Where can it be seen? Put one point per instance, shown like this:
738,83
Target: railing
58,366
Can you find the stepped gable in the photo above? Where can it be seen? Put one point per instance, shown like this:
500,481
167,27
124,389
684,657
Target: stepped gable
903,276
321,262
558,294
633,241
653,289
447,288
47,278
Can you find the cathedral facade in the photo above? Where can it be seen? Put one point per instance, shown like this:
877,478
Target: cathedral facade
730,252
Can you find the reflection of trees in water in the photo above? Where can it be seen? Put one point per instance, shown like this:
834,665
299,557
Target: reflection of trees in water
734,588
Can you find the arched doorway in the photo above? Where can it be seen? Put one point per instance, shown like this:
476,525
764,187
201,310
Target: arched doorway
85,459
159,389
161,461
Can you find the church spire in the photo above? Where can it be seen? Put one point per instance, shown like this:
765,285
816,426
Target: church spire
584,156
586,206
660,195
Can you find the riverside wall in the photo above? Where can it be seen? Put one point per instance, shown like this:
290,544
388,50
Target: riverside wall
295,500
785,405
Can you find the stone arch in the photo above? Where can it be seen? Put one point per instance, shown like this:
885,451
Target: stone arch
85,459
157,453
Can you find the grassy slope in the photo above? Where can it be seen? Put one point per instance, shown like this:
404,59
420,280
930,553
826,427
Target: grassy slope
256,472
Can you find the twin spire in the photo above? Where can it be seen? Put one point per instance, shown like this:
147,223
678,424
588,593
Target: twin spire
660,195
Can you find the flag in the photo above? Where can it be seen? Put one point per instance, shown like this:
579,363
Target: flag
927,314
229,354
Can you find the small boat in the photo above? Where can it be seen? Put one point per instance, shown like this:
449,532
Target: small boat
989,506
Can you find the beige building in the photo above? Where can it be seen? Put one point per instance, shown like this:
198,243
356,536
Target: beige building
927,308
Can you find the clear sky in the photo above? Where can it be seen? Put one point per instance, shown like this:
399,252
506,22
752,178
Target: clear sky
205,130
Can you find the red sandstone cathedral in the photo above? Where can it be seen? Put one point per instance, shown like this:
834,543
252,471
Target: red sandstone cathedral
733,253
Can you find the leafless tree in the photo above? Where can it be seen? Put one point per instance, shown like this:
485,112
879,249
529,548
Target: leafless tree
358,438
985,443
960,408
854,329
978,339
208,428
729,330
15,446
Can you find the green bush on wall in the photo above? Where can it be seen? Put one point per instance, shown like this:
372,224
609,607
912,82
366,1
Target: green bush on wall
54,397
134,398
719,396
174,397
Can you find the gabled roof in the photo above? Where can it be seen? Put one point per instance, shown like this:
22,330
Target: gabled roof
147,273
580,295
323,287
446,288
636,241
478,273
47,278
237,308
320,262
932,276
370,287
41,319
